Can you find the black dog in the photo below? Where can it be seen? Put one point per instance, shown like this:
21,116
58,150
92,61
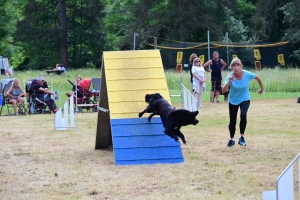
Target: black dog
171,118
150,99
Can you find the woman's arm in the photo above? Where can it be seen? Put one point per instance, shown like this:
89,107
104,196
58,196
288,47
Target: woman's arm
226,86
260,84
8,93
22,92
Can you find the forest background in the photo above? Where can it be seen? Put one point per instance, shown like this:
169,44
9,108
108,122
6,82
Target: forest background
37,34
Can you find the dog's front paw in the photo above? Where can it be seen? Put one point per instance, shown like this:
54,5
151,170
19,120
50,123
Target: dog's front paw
149,119
141,114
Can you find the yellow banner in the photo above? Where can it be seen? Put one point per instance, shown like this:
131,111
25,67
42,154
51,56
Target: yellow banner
281,59
201,57
179,57
257,55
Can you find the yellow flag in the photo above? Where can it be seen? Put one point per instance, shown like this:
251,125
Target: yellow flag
281,59
234,56
201,57
179,57
257,55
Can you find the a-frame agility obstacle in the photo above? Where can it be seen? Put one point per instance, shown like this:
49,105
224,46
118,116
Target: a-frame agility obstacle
126,77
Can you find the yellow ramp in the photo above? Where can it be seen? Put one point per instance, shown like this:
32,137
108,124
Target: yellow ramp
126,77
130,75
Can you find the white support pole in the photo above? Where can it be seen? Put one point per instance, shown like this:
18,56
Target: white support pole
208,47
134,40
227,50
72,120
62,123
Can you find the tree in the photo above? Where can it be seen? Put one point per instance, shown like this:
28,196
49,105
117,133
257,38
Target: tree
11,12
184,20
43,33
63,28
292,20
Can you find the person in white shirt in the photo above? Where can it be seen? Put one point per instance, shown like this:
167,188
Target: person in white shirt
199,77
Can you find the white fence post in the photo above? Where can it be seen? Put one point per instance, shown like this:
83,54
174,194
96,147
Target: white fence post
189,101
62,123
285,184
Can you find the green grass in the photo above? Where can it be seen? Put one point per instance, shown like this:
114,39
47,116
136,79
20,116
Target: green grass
278,83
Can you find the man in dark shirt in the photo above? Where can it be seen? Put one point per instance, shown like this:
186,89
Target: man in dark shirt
216,67
39,92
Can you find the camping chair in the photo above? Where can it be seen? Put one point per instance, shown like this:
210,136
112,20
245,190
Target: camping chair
5,100
96,87
37,106
34,106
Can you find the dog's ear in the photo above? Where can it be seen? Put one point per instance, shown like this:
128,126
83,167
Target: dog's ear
196,113
158,94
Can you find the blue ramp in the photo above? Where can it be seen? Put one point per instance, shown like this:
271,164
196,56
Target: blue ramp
137,141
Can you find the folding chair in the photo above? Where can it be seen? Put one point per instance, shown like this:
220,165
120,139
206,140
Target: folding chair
5,100
37,106
34,106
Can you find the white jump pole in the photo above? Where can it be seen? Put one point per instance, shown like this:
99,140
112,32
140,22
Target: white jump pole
63,123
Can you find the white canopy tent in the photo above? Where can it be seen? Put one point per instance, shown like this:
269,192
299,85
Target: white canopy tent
5,69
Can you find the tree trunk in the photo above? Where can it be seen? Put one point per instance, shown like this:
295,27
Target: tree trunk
63,34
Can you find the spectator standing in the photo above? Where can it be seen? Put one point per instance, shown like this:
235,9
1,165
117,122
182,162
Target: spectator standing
216,67
199,77
191,61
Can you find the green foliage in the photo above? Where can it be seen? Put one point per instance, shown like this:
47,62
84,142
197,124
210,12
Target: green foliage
39,33
30,30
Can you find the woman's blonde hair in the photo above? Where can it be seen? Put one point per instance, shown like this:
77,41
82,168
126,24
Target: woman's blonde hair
197,59
14,80
236,61
192,57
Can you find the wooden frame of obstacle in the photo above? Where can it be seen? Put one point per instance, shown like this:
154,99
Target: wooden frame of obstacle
126,77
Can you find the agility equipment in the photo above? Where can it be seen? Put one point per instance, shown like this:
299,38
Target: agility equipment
126,77
285,184
62,123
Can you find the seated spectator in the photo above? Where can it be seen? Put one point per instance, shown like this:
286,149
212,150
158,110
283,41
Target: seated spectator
78,79
62,68
57,67
15,94
39,92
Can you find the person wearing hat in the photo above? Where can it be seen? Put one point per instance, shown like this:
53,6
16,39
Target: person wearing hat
40,91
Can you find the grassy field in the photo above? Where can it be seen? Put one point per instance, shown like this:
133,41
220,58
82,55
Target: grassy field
38,162
278,83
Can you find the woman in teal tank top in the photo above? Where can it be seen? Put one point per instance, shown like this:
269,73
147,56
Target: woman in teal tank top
15,94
